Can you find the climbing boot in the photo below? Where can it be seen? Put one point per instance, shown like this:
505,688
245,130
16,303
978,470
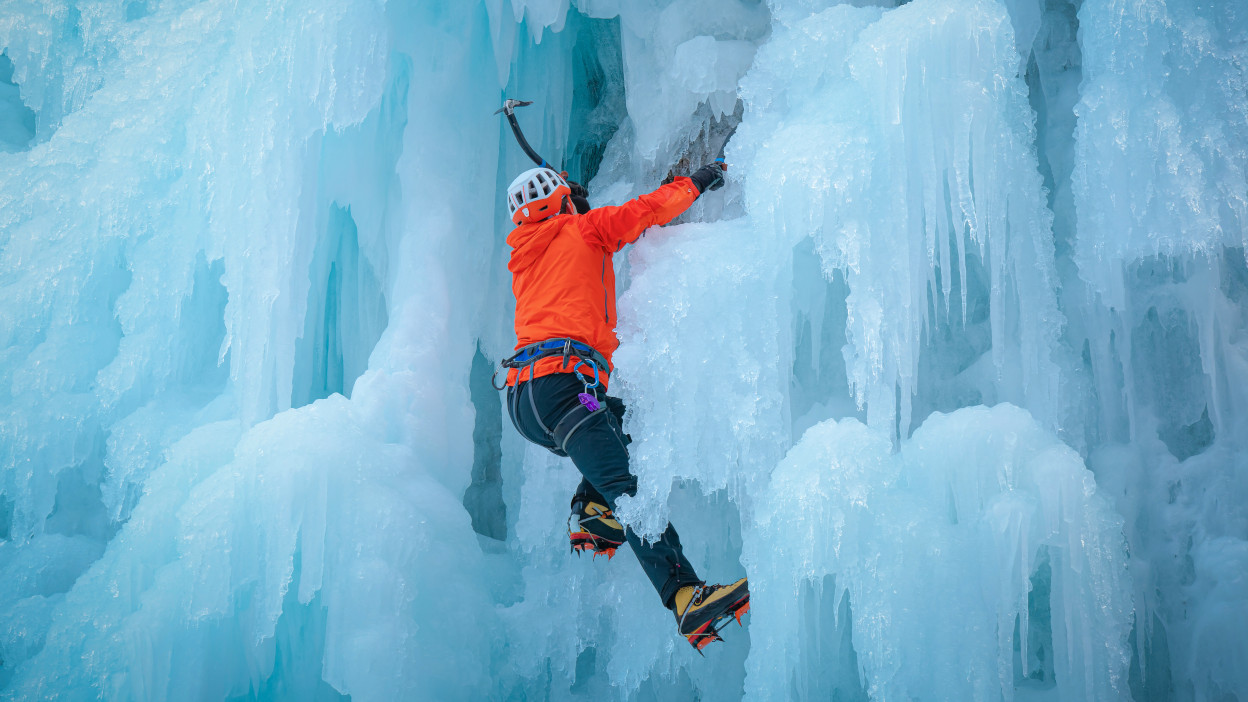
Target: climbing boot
592,528
701,610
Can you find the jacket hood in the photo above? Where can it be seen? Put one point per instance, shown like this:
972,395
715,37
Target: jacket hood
529,241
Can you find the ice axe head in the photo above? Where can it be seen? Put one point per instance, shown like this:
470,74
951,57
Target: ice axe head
509,105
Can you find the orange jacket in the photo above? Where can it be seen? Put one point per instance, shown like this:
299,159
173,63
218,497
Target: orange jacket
562,275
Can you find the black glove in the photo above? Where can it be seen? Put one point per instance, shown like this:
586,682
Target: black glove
580,197
710,176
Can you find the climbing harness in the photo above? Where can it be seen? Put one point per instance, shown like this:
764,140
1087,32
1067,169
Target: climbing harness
528,356
526,359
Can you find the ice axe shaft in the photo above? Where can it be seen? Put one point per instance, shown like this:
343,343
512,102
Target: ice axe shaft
508,108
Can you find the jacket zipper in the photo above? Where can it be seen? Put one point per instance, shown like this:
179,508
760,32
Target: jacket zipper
606,311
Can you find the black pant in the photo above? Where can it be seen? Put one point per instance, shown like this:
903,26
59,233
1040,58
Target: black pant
599,449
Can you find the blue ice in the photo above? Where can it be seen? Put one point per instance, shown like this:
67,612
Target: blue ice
951,368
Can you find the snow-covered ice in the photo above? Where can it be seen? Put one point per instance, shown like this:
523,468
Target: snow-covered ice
952,368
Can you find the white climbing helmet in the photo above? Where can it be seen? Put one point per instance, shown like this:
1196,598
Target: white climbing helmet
535,195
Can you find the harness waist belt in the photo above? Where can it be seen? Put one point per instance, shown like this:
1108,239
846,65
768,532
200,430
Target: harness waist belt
557,347
527,358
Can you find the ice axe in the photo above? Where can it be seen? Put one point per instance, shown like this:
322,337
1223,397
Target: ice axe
580,196
508,108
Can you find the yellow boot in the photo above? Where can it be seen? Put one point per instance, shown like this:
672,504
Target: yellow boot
700,609
593,527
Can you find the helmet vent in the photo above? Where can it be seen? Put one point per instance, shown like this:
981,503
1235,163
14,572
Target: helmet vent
534,187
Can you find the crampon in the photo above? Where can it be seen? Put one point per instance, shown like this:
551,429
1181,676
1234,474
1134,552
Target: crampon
709,609
585,541
709,632
593,528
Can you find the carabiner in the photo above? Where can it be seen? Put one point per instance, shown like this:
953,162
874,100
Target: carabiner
591,364
494,377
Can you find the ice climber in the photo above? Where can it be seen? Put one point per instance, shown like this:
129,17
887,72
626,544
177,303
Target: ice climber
564,285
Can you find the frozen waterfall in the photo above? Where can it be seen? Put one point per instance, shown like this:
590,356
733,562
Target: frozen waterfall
953,368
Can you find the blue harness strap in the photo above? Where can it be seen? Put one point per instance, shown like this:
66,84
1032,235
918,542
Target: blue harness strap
585,354
554,347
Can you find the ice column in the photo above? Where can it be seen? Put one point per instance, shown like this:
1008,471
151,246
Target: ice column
937,548
157,261
905,146
1161,198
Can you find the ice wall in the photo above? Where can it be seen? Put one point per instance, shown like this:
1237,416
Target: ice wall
1161,148
908,166
921,190
943,550
967,316
209,239
1176,131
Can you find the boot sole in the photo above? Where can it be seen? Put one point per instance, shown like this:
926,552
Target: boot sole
704,635
585,541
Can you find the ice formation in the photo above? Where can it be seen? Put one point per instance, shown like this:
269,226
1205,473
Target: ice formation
952,369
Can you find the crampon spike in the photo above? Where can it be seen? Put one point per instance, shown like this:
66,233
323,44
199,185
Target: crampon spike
588,542
741,610
701,642
703,637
